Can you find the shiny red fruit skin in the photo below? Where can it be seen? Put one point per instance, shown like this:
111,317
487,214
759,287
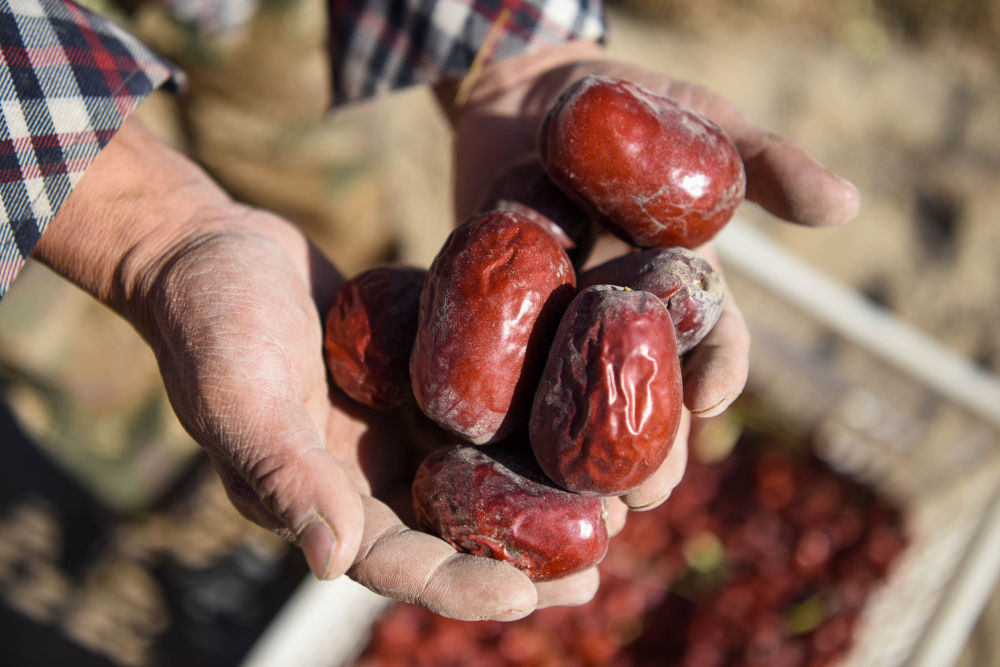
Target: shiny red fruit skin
369,332
657,173
490,303
684,280
493,501
609,401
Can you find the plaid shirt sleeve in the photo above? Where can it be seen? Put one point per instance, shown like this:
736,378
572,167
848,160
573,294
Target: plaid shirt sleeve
68,80
379,45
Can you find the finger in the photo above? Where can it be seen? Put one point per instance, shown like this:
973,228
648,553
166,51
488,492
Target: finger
781,176
276,470
716,370
244,498
571,591
617,516
311,496
415,567
658,488
787,182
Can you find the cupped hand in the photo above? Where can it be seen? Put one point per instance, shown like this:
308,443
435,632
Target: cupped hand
496,117
234,319
231,300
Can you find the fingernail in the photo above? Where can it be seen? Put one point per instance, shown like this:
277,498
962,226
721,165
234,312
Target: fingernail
651,505
512,614
317,542
716,408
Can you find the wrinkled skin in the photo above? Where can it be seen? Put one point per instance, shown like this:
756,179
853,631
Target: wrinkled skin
489,306
495,502
657,173
691,289
369,333
609,402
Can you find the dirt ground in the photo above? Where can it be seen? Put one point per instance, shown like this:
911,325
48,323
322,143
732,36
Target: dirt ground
899,96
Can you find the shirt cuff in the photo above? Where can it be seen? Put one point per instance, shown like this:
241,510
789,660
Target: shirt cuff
380,45
68,81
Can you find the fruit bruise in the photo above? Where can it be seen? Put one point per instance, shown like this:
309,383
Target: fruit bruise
684,280
493,501
654,171
489,305
370,329
609,401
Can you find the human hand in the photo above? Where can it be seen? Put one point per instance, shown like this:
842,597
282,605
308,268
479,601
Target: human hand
230,300
496,121
238,335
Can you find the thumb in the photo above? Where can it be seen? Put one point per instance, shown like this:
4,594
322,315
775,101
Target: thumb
301,491
416,567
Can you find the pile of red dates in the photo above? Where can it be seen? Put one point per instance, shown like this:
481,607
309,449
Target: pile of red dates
558,386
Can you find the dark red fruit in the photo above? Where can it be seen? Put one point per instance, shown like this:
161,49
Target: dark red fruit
681,278
609,401
656,172
370,329
493,501
491,301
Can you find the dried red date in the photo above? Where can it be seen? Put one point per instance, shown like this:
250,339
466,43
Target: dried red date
491,300
525,188
493,501
609,401
370,329
656,172
684,281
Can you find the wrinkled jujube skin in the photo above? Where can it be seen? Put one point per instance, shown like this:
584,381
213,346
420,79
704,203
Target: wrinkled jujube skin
609,402
370,329
525,188
489,306
493,501
654,171
684,280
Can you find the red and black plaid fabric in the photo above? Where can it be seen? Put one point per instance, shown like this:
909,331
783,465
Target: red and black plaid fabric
68,79
379,45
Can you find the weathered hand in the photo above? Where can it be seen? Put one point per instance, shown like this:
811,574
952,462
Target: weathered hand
230,299
238,337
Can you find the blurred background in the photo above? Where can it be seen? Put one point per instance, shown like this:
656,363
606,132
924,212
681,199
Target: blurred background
117,546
